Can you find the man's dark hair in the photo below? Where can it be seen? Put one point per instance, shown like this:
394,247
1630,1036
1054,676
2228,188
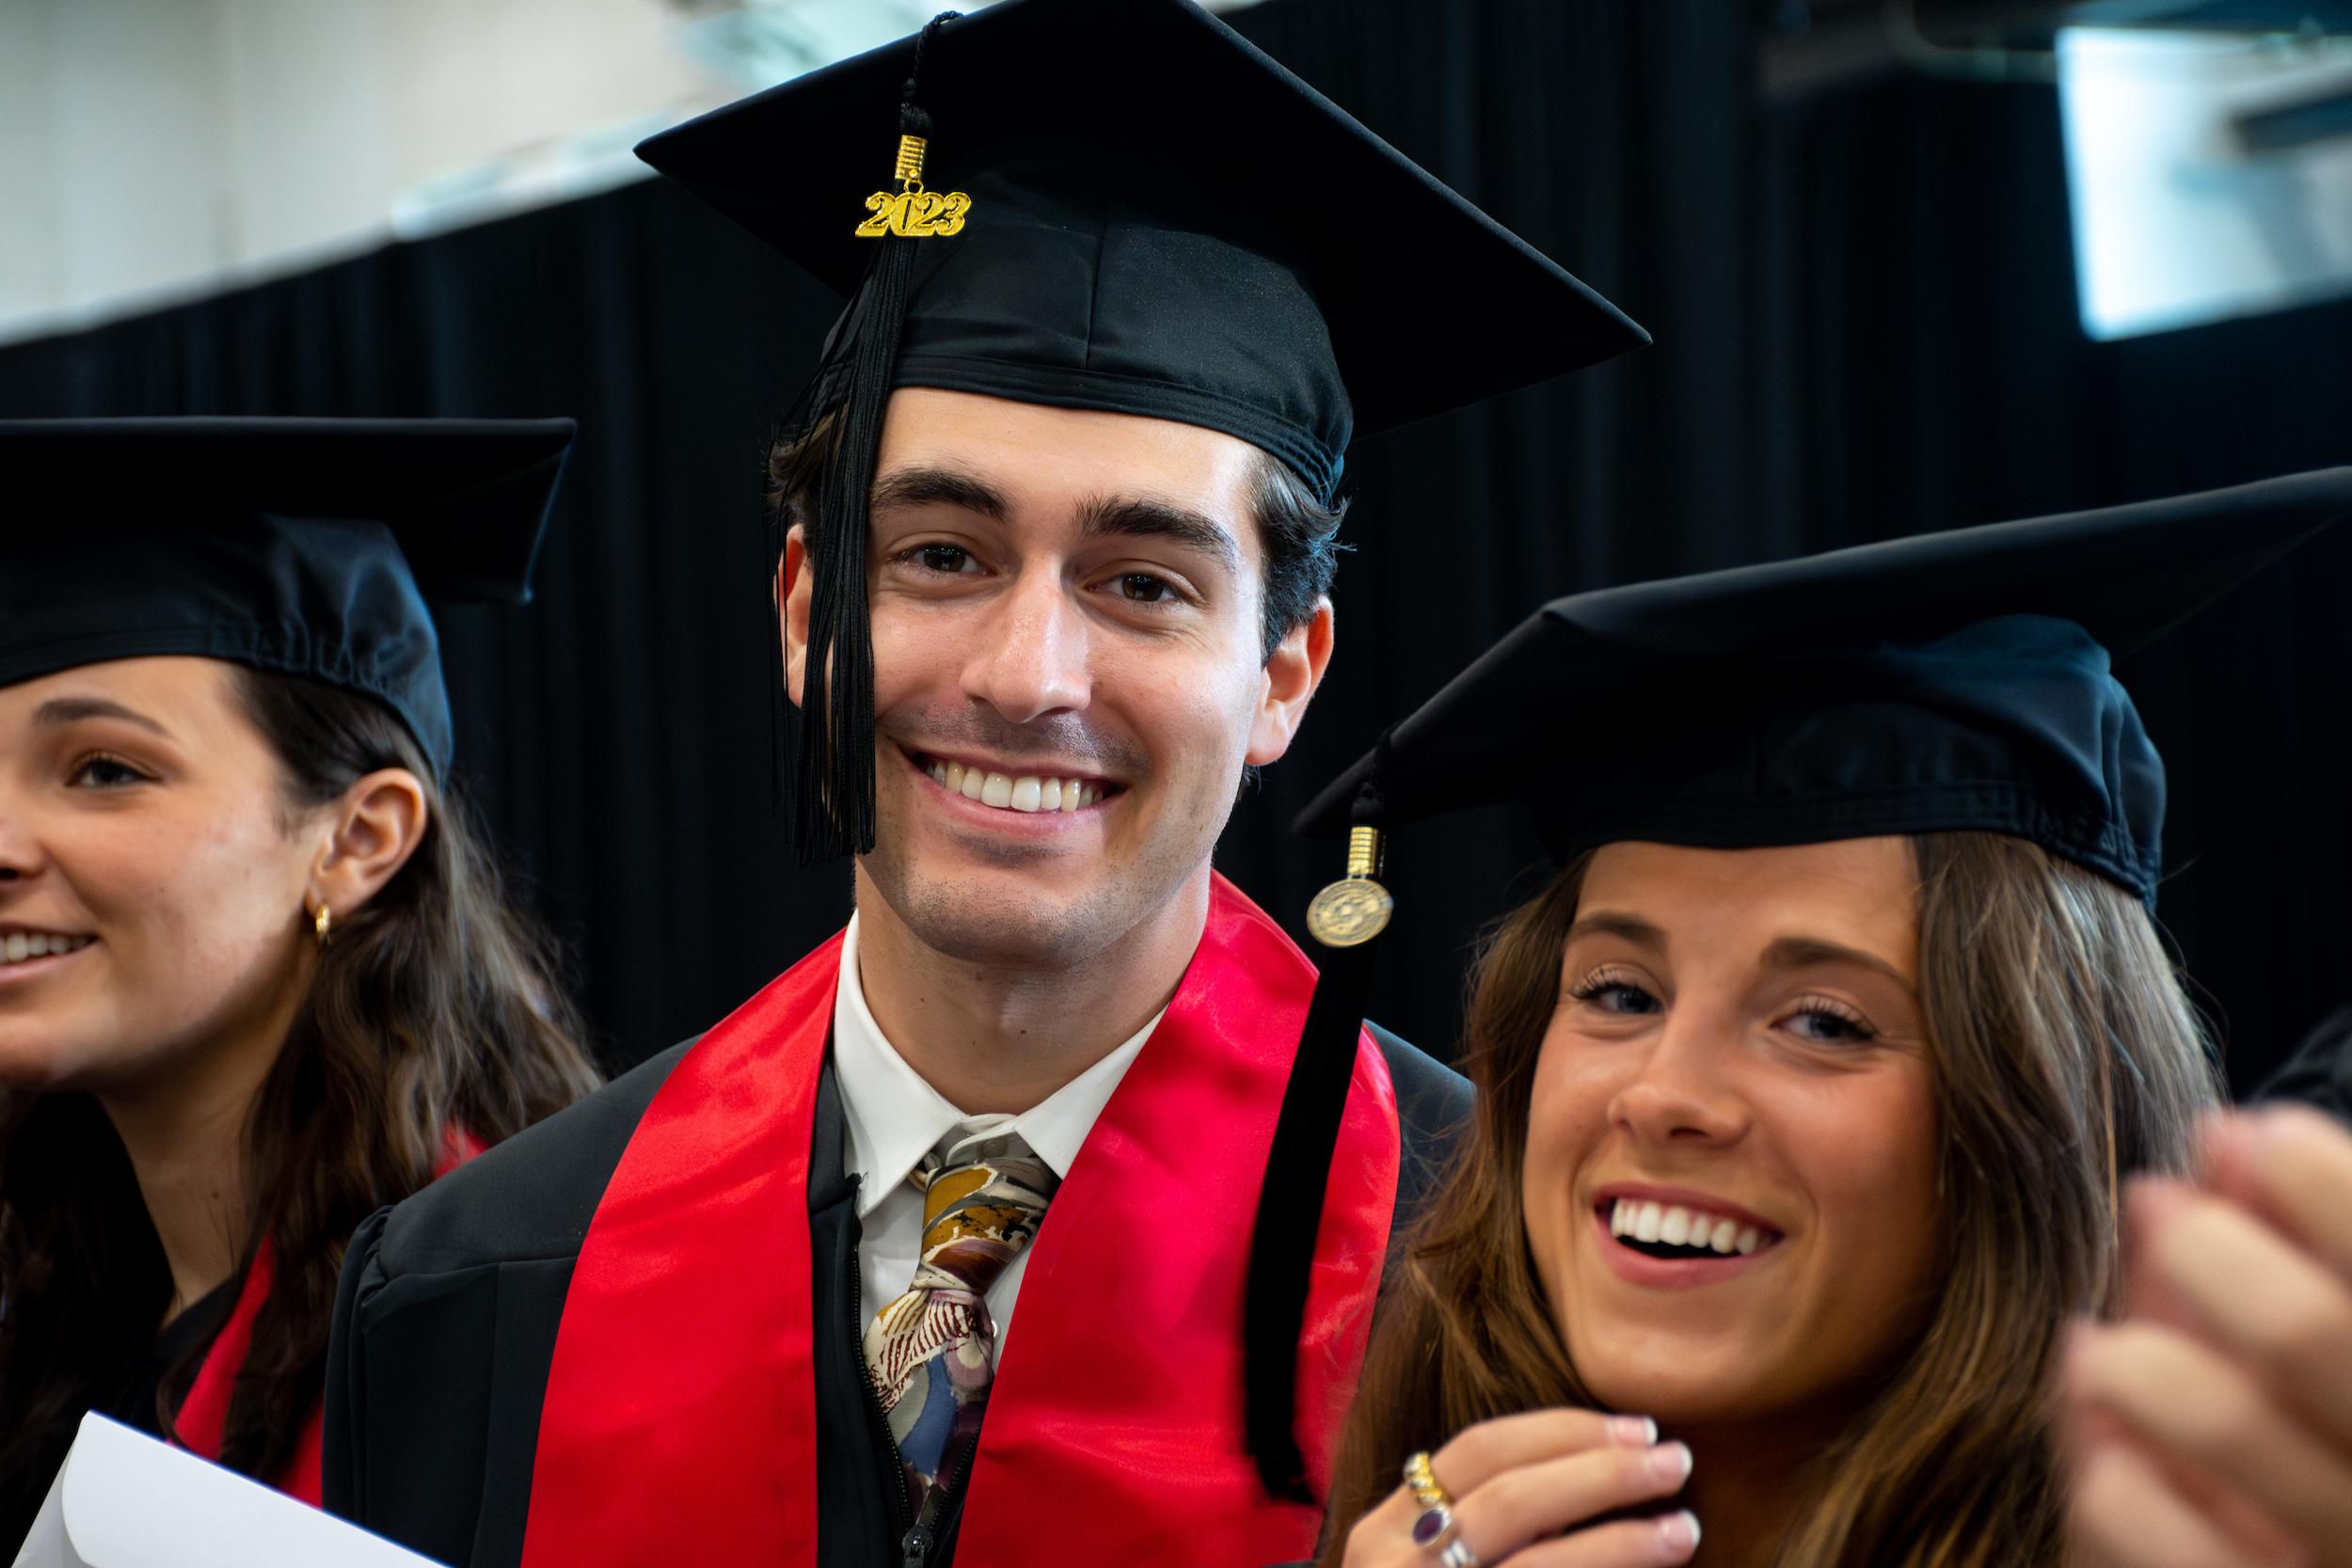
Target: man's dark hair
1298,534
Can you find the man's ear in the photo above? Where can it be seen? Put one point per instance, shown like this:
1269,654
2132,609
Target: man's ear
794,582
370,833
1291,678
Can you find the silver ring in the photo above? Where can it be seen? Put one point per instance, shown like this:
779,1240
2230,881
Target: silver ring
1432,1525
1457,1555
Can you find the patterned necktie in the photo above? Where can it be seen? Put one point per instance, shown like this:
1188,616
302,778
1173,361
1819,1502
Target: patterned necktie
932,1352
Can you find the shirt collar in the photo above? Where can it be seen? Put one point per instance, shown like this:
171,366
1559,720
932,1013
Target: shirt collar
895,1117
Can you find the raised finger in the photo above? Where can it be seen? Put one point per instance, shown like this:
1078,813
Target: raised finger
1479,1453
2081,1425
2149,1204
1620,1544
1526,1504
2293,1165
2195,1405
2086,1426
2086,1429
2122,1513
2260,1297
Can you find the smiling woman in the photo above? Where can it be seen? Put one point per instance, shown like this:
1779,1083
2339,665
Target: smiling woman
1808,1086
257,978
1853,1186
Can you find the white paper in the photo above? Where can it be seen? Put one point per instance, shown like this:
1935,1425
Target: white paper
121,1500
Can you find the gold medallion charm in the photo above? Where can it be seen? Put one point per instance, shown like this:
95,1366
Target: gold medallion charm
1356,908
910,210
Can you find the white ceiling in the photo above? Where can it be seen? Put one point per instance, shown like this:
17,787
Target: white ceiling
158,149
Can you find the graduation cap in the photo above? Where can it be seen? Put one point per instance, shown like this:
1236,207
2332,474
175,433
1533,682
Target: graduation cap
302,547
1117,205
1951,682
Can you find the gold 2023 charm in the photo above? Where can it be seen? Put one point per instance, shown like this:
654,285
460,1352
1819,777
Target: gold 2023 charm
910,210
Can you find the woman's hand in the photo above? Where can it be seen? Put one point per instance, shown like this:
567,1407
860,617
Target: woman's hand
1519,1482
2212,1428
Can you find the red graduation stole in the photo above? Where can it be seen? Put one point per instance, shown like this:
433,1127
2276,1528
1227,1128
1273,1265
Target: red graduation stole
679,1423
202,1418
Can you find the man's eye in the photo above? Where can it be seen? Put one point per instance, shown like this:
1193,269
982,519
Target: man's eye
1143,588
950,559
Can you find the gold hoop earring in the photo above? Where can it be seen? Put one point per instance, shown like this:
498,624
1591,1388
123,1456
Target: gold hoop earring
324,923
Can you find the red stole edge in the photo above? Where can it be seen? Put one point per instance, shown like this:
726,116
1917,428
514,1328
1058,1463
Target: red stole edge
1114,1429
202,1418
680,1422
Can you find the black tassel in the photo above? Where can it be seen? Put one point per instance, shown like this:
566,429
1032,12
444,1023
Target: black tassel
834,772
1290,1205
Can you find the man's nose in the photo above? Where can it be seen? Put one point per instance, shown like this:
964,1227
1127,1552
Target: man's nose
1032,657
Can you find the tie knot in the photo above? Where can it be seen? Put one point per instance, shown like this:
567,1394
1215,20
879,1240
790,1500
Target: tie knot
973,1138
984,1194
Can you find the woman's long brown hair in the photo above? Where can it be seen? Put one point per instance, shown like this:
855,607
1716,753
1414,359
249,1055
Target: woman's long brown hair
2065,1056
435,1012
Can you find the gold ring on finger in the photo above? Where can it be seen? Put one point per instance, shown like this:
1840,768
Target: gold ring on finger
1434,1522
1421,1482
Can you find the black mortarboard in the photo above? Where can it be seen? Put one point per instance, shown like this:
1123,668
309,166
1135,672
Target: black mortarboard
302,547
1954,681
1161,221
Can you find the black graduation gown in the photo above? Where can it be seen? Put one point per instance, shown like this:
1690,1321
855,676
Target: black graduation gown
139,1404
447,1313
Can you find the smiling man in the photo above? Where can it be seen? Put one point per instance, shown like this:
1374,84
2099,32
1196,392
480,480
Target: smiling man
937,1247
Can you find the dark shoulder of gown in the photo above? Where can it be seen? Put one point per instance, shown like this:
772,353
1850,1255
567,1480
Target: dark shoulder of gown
181,1340
1433,1108
445,1322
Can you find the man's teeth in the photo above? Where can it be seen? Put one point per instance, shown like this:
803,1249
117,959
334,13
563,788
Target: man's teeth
16,946
1678,1226
1007,792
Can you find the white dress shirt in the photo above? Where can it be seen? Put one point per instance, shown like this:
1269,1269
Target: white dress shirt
894,1117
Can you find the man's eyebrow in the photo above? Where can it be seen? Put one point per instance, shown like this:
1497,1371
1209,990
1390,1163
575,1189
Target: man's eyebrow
1803,952
1137,517
1608,923
59,711
934,486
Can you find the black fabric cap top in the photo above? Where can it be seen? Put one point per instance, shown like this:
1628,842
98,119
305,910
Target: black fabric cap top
1164,222
298,546
1947,682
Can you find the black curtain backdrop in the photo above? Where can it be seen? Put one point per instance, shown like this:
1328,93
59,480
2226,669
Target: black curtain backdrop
1866,326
